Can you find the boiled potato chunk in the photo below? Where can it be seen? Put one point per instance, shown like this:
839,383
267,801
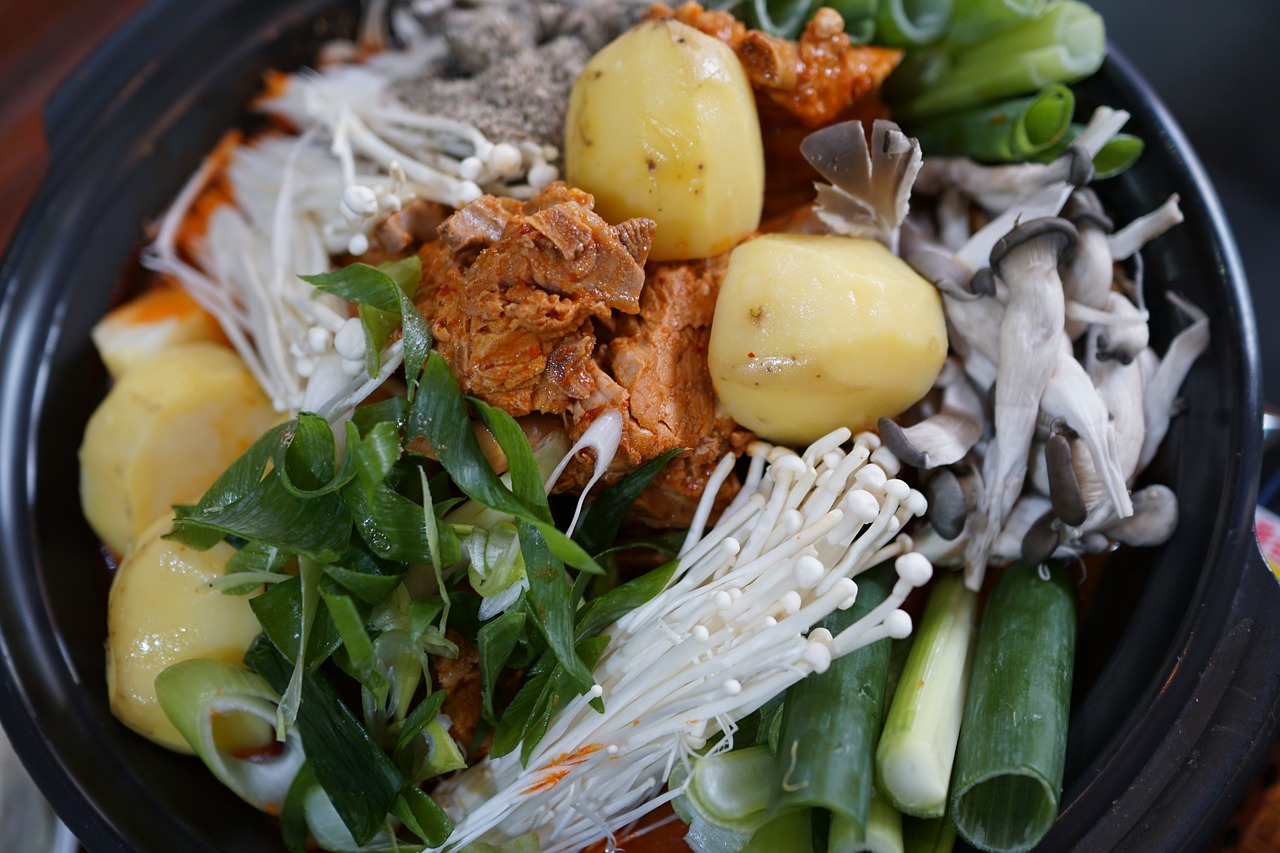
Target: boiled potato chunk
140,329
662,124
815,332
163,434
161,611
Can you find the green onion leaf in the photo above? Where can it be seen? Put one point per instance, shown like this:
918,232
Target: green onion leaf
279,610
308,461
358,777
439,414
599,525
551,603
495,644
362,664
245,503
601,612
423,816
378,287
417,721
977,19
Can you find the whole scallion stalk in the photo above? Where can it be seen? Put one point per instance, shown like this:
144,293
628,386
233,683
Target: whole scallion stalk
1007,132
1009,765
917,747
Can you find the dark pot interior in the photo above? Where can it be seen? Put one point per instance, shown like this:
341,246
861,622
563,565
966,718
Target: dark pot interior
1176,700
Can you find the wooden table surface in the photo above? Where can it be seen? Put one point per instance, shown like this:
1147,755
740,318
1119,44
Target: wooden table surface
41,42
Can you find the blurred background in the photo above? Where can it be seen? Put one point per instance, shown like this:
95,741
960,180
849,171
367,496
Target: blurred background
1216,67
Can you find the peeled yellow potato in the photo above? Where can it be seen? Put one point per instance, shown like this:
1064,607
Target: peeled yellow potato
151,322
812,333
163,434
662,124
161,611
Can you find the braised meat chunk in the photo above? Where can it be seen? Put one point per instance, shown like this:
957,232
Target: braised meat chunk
815,78
543,307
510,290
656,364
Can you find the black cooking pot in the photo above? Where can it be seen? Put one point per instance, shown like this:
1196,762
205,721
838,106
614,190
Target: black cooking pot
1177,685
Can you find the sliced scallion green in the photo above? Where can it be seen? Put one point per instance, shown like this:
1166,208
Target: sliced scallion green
1008,132
1065,44
907,23
195,693
976,19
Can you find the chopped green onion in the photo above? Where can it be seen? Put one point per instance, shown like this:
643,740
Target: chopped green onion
831,721
907,23
976,19
859,18
357,777
928,835
196,692
790,833
1065,44
883,833
1009,765
731,790
1116,155
1008,132
781,18
918,744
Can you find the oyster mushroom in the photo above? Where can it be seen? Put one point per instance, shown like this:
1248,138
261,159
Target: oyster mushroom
1087,274
1155,515
1026,260
945,437
870,187
1128,240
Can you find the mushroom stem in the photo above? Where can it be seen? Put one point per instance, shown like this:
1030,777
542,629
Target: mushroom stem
1128,240
1026,259
1155,516
1161,388
1087,275
945,437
